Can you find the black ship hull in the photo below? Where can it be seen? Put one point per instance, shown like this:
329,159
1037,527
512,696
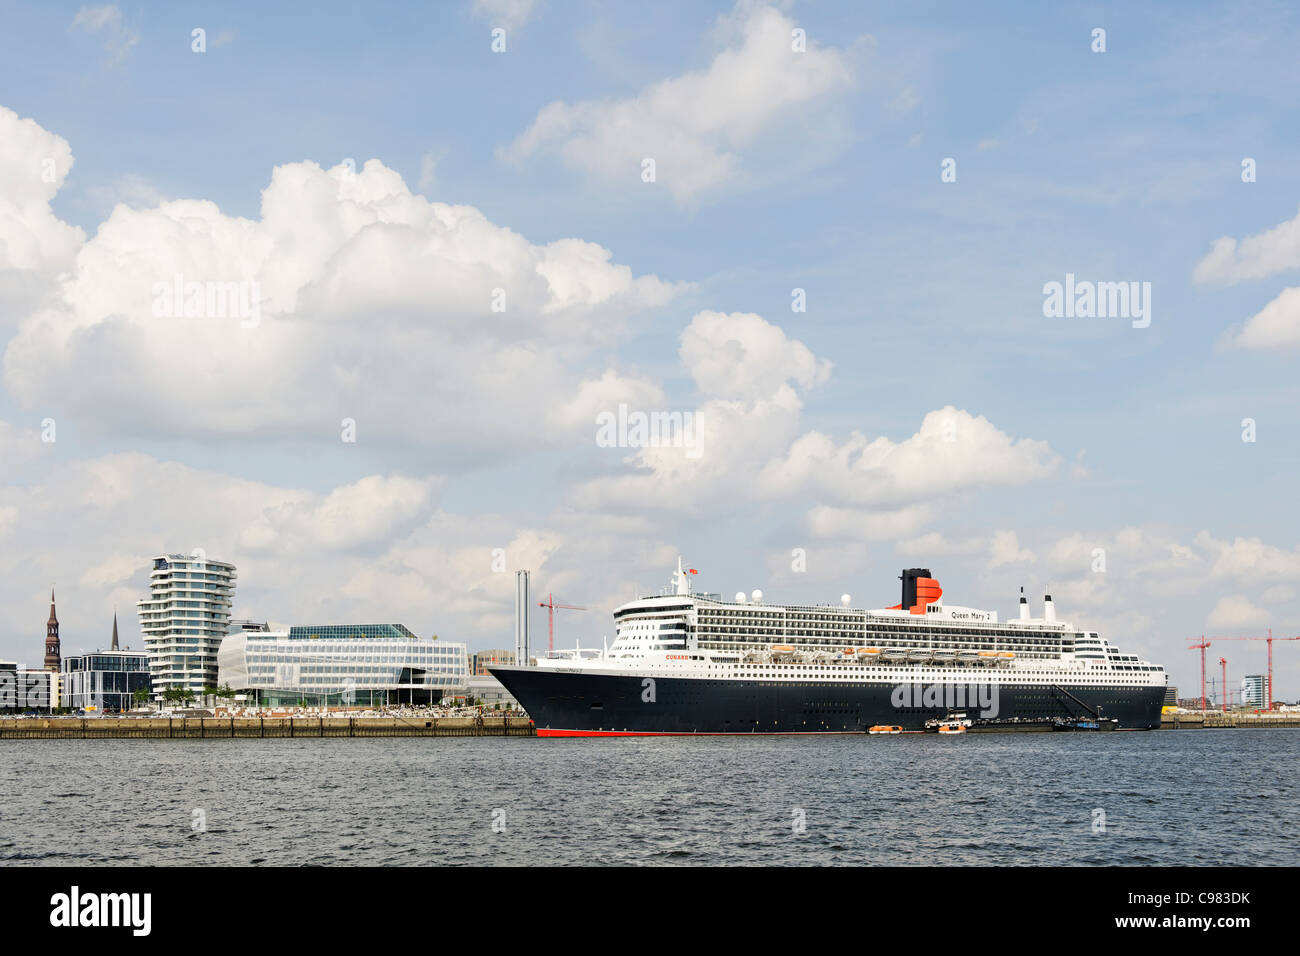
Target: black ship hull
575,704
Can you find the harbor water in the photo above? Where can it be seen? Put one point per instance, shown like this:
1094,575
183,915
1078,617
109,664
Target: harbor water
1209,797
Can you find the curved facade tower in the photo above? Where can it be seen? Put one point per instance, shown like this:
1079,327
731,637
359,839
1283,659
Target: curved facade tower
185,618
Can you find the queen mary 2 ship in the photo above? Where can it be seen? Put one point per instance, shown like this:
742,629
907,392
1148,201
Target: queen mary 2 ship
687,662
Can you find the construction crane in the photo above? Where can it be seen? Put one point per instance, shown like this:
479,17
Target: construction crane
1203,645
551,608
1268,692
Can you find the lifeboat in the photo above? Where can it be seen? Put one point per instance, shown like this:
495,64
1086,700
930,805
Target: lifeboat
1005,657
893,654
869,653
945,654
952,729
918,654
988,657
968,657
782,648
885,729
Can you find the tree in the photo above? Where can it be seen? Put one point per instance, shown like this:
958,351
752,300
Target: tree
178,695
140,696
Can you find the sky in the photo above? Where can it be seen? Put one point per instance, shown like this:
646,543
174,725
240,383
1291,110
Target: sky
342,293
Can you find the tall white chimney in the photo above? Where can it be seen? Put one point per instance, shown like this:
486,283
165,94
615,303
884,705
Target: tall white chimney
1049,609
1024,606
521,618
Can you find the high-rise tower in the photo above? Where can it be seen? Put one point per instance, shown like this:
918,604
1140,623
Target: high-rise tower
53,656
184,619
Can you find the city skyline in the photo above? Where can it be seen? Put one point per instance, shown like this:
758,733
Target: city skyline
413,314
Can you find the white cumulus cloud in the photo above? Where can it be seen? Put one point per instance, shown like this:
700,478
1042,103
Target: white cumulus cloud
694,126
349,298
1255,257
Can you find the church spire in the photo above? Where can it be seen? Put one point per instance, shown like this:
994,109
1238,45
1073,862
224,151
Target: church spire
114,647
53,657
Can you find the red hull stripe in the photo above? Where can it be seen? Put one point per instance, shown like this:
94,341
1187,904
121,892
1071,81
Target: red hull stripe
551,732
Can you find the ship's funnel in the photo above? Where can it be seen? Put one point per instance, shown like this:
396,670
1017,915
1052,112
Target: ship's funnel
909,577
919,590
1049,609
1024,606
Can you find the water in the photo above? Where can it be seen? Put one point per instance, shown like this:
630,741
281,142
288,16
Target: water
1174,797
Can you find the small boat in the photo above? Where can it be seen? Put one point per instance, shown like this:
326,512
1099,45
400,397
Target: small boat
782,648
958,720
885,729
869,653
918,654
894,654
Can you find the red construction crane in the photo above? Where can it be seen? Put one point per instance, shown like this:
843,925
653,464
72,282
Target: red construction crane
551,608
1268,693
1203,645
1223,662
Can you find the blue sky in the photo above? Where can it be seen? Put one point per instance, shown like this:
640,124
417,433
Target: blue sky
1115,166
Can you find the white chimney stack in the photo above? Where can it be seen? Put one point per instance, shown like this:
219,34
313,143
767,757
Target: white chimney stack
1049,609
1024,606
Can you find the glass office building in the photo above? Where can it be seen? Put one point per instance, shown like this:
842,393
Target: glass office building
339,665
104,680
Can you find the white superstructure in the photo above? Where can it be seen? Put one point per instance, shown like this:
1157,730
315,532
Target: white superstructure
681,632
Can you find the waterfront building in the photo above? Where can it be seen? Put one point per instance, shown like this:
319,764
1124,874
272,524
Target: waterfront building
184,620
491,692
482,660
23,689
363,665
105,680
52,649
1252,690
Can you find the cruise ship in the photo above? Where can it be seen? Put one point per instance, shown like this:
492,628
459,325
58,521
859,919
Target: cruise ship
686,662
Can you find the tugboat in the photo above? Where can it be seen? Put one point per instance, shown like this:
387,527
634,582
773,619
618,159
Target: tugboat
954,723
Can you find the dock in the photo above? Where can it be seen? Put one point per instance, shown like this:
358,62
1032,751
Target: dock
1215,720
88,728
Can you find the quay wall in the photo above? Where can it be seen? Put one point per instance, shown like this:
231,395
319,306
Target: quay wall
226,727
1210,721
